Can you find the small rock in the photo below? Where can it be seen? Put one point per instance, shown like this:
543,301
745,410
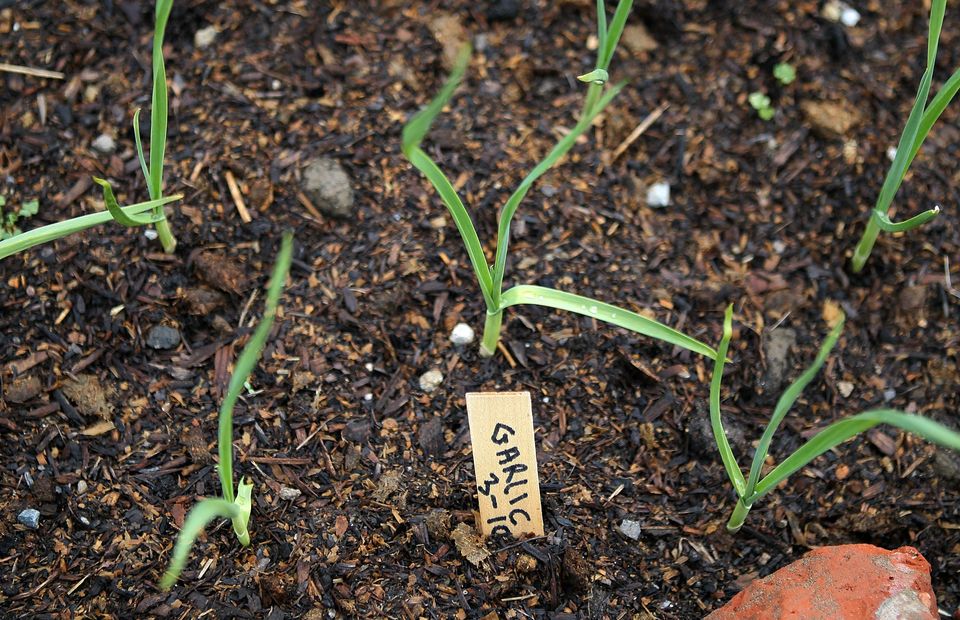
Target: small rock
637,39
204,37
846,388
289,493
462,334
503,10
30,518
776,347
849,17
891,153
830,119
889,394
105,144
430,436
163,337
431,380
81,487
327,185
658,195
630,529
357,431
845,581
946,463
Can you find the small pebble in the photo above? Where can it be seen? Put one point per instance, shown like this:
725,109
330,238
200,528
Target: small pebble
204,37
105,144
150,234
431,380
846,388
658,195
461,334
368,397
891,153
889,394
849,17
81,487
288,493
630,529
163,337
29,517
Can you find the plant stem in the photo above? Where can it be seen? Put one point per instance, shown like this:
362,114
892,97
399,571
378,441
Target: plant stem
491,333
167,239
862,252
738,517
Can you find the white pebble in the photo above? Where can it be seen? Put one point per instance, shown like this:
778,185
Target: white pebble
431,380
889,394
288,493
150,234
891,153
204,37
368,397
81,487
849,17
658,195
368,366
461,334
105,144
846,388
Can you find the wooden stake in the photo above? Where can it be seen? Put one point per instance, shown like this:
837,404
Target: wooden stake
505,461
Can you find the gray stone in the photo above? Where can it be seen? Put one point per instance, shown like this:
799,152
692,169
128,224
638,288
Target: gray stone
776,347
289,493
431,380
29,517
105,144
327,185
163,337
631,529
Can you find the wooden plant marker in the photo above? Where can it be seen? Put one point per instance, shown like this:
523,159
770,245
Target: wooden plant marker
505,461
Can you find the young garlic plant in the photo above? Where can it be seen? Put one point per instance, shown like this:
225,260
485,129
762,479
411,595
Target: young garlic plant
490,278
233,506
141,214
919,123
753,487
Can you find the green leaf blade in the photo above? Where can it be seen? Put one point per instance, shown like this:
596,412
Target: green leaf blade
197,520
716,415
560,300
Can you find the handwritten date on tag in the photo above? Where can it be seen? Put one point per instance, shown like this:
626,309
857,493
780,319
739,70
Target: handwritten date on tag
505,461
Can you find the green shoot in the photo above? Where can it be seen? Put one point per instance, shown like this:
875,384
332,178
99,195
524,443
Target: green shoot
784,73
919,124
752,488
9,219
761,103
235,506
490,278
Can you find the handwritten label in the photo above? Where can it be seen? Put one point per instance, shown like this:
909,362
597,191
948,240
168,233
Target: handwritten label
505,461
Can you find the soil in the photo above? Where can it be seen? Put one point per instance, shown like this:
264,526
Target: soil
763,215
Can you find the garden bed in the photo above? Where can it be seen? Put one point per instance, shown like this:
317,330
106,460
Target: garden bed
112,439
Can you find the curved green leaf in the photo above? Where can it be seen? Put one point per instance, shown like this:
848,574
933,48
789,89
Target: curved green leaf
716,419
139,145
58,230
118,214
786,401
845,429
885,224
245,364
552,298
197,520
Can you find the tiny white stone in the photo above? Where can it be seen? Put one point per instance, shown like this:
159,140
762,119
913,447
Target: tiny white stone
368,366
546,399
779,246
288,493
204,37
889,394
81,487
658,195
368,397
849,17
630,529
105,144
150,234
846,388
461,334
891,153
431,380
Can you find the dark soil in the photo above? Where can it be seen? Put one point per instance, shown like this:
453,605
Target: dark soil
764,215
